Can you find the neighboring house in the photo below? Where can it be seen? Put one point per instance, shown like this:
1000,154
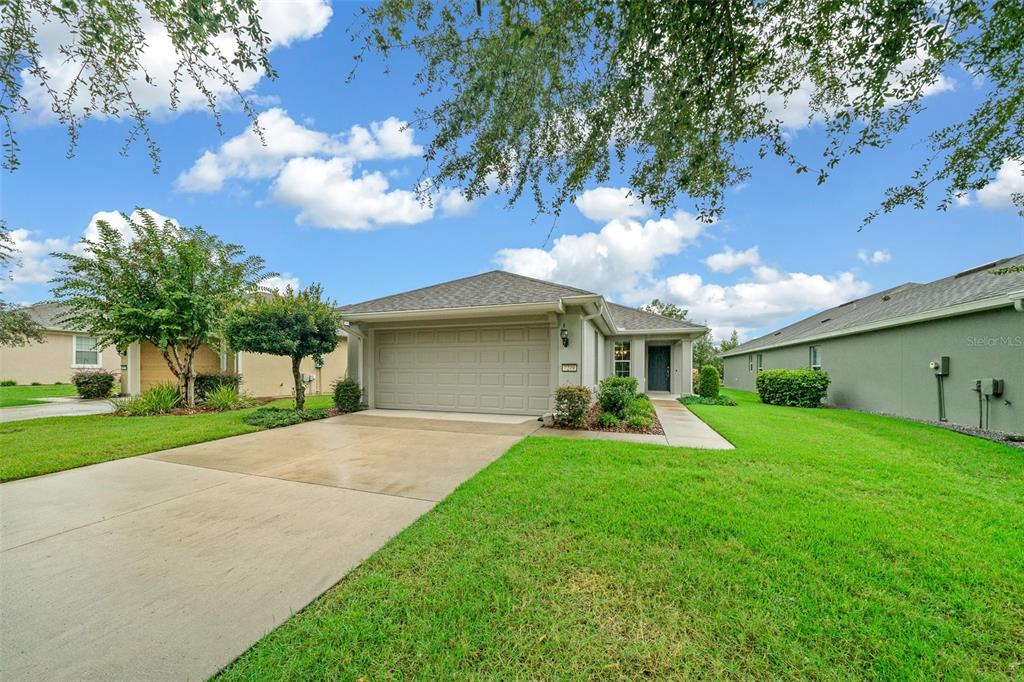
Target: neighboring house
501,343
63,352
925,351
264,376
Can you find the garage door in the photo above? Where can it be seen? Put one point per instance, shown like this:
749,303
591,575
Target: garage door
503,370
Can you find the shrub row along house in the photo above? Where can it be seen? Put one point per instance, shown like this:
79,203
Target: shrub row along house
65,351
501,343
950,350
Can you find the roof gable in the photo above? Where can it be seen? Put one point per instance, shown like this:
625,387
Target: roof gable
634,319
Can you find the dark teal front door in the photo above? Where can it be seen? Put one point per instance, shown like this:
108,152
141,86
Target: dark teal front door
657,368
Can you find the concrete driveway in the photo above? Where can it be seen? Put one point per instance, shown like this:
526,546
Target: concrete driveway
170,565
56,407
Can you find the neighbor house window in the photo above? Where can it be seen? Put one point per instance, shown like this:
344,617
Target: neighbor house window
622,358
87,353
750,363
760,362
815,353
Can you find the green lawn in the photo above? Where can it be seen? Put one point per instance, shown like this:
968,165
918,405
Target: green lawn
829,544
14,396
42,446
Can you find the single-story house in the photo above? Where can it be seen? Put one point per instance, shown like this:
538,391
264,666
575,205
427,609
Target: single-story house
264,376
501,343
63,352
66,351
949,350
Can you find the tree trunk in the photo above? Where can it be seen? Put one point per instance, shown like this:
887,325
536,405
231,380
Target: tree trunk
188,379
300,387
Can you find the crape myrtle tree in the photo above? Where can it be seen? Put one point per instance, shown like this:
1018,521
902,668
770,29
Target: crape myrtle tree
17,328
295,324
164,284
548,97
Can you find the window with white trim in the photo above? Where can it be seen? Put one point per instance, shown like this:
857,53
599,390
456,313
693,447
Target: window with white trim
815,357
750,363
621,355
760,362
87,352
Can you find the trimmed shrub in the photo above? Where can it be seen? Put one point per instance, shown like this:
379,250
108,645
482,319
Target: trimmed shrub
640,406
348,396
8,382
606,420
35,383
709,382
94,383
639,422
225,398
273,417
572,404
616,393
208,382
792,387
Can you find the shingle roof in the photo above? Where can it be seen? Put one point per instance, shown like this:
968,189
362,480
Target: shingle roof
490,288
974,284
48,316
633,319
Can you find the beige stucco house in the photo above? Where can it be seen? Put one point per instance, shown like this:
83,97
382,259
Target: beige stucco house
501,343
63,352
66,351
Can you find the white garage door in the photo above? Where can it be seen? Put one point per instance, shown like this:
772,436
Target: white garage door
505,370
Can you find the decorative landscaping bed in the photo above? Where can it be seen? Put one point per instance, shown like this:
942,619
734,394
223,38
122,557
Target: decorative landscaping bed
619,408
591,425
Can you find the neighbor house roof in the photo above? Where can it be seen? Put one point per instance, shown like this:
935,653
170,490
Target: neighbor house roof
968,291
49,316
499,288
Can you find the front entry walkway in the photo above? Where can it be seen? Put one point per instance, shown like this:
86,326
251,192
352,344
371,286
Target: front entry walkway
170,565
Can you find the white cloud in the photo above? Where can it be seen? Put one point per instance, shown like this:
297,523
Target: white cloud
1009,181
608,203
388,139
747,306
116,220
619,258
280,282
246,156
730,260
32,263
876,257
286,21
329,195
454,204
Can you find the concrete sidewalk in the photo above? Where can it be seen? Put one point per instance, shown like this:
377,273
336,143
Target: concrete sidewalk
56,407
170,565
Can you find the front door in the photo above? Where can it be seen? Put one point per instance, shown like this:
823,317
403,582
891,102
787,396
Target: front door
658,368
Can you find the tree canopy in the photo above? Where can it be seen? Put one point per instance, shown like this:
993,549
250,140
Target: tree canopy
547,97
671,310
294,324
168,285
213,42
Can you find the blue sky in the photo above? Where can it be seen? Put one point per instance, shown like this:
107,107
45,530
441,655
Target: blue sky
328,204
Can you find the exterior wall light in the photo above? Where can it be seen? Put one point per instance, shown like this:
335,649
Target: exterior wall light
564,335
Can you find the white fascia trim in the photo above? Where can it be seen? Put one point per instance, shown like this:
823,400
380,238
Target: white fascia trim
441,313
688,331
951,311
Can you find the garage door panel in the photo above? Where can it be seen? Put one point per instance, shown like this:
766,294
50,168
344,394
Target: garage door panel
485,369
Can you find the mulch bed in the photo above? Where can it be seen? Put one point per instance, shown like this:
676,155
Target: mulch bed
655,429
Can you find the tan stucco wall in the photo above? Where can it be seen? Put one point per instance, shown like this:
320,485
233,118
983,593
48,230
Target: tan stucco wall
153,368
50,361
270,376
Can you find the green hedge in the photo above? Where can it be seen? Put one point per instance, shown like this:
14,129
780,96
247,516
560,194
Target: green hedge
792,387
94,383
572,404
348,396
616,393
709,382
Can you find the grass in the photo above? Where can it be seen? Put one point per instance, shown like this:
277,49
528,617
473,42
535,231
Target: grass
42,446
15,396
828,544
